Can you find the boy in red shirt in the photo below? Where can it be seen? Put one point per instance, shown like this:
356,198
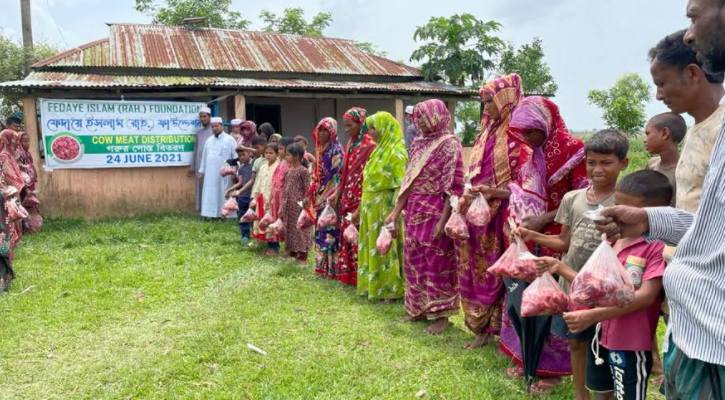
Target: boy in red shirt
627,333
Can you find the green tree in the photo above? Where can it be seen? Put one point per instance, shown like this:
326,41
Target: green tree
293,22
460,48
370,48
623,105
217,12
528,62
468,119
12,67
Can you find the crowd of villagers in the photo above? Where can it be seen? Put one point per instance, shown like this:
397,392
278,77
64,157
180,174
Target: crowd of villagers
19,205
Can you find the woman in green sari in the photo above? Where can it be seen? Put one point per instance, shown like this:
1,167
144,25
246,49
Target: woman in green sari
381,277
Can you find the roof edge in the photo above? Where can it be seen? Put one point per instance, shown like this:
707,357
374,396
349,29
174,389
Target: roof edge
52,59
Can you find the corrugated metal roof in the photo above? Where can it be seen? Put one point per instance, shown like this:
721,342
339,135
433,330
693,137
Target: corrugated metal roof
72,80
173,47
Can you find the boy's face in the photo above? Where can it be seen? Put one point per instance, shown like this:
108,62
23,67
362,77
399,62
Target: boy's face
259,149
603,169
624,199
270,155
654,139
243,156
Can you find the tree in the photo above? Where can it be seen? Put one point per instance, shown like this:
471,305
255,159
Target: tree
623,105
461,48
217,12
528,62
293,22
468,117
370,48
12,67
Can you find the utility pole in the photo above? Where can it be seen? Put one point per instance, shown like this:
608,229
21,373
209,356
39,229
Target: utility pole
27,34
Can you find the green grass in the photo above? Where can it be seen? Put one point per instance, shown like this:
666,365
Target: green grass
164,306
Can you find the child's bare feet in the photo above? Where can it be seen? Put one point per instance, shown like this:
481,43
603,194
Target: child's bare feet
411,318
440,325
479,341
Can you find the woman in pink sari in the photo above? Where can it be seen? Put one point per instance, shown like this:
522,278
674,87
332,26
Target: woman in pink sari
493,162
435,173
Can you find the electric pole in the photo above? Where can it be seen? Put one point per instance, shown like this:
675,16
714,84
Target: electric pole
27,34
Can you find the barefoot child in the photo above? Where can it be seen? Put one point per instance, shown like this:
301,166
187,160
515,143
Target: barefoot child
664,132
296,182
244,176
627,333
262,199
606,157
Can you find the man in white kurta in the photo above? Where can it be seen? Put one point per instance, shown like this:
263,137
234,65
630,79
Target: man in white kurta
202,135
218,149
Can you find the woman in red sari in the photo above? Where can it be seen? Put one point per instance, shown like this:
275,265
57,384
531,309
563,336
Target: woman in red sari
30,176
555,166
348,196
12,184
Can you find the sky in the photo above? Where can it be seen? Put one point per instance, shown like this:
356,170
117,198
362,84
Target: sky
588,44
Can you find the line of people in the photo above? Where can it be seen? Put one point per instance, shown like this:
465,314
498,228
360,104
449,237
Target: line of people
19,204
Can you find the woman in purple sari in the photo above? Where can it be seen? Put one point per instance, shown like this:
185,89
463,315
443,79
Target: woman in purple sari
435,172
493,162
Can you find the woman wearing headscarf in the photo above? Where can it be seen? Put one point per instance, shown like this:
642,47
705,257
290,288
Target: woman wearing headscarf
434,174
492,164
30,176
555,167
12,185
348,196
381,277
248,132
326,178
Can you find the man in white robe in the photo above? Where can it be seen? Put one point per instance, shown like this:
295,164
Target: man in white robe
218,149
202,134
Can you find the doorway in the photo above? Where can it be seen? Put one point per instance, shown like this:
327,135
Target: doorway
261,113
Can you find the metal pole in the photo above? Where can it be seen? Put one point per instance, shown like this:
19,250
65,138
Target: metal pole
27,34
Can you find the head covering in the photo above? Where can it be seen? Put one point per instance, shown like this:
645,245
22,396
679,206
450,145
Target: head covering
217,120
328,158
559,154
357,115
433,120
206,110
506,92
386,168
236,122
10,169
409,110
357,155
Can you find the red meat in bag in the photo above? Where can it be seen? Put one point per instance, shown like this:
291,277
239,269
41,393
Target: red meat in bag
479,213
515,263
543,297
456,227
249,216
277,227
266,221
385,240
351,234
229,207
603,281
327,219
227,170
305,220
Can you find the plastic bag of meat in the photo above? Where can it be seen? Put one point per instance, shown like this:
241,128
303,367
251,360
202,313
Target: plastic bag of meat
456,227
15,210
266,221
479,213
385,240
305,220
327,219
603,281
229,207
351,234
277,227
249,216
516,263
543,297
227,170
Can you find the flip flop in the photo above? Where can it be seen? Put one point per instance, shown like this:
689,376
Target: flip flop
543,387
515,372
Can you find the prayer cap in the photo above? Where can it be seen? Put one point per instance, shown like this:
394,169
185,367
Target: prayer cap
217,120
205,110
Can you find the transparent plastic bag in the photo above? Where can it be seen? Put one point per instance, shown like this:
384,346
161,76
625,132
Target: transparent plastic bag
15,210
479,213
517,262
249,216
230,207
327,219
266,221
456,227
595,215
543,297
227,170
603,281
277,227
385,240
304,221
351,234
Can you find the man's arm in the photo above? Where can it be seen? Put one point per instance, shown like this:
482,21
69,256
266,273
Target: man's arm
668,224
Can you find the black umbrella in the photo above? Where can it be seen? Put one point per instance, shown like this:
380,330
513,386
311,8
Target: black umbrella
532,331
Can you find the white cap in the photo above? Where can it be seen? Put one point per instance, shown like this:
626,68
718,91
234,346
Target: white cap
205,110
217,120
236,122
409,110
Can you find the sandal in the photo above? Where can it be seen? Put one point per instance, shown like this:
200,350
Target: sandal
544,386
515,372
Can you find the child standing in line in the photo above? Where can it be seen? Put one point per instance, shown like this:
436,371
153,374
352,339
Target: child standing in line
627,332
296,183
244,176
262,200
308,157
664,132
278,180
606,158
